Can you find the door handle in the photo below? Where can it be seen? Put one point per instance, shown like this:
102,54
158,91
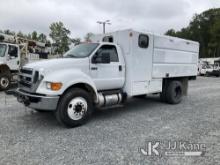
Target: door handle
94,68
120,68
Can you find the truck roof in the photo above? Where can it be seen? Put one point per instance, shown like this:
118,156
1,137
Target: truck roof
151,33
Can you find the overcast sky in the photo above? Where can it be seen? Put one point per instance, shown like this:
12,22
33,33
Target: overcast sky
80,16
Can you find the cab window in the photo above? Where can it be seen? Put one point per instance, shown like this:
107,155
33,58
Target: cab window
110,49
13,51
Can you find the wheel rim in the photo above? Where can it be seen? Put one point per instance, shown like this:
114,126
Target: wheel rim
4,82
77,108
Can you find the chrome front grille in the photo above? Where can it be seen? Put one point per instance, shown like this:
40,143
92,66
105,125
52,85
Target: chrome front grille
25,78
29,80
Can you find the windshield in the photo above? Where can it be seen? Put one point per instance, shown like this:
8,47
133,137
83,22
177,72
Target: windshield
80,51
2,50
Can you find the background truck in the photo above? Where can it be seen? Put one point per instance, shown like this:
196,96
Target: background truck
208,67
216,69
108,71
14,53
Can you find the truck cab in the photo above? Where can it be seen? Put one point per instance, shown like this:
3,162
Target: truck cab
9,63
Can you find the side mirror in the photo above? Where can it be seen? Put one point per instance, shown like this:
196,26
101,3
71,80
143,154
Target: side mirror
96,59
106,58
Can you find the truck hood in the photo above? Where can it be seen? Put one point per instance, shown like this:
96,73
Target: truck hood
58,64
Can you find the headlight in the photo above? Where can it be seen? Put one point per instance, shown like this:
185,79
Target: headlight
54,86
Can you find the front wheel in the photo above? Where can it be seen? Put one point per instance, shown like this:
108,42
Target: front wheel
74,108
4,82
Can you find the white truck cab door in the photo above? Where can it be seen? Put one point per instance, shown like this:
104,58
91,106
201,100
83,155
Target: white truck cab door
107,74
13,57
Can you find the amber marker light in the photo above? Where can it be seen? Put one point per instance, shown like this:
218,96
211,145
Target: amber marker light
54,86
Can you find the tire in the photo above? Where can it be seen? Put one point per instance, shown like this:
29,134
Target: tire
74,108
4,82
174,92
163,96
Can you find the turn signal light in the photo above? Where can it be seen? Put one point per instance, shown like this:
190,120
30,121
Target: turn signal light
54,86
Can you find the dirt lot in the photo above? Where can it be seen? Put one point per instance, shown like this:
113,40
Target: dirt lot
114,136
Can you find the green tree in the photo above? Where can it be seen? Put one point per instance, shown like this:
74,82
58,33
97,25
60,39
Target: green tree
48,43
204,28
214,43
76,41
88,37
29,36
171,32
34,36
42,38
60,36
20,34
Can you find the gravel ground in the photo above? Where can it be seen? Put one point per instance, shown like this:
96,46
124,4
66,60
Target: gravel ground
114,136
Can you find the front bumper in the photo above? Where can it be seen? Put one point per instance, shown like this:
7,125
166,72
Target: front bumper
37,101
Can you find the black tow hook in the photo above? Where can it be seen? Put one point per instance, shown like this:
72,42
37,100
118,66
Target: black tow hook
24,100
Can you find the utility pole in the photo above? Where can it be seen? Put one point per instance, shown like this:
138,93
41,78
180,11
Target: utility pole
104,23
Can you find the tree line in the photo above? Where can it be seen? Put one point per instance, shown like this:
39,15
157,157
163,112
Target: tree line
204,28
59,35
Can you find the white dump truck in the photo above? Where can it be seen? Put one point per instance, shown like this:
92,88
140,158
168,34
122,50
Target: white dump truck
14,53
108,71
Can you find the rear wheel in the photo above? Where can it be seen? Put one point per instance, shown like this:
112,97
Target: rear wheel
4,82
74,108
174,92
